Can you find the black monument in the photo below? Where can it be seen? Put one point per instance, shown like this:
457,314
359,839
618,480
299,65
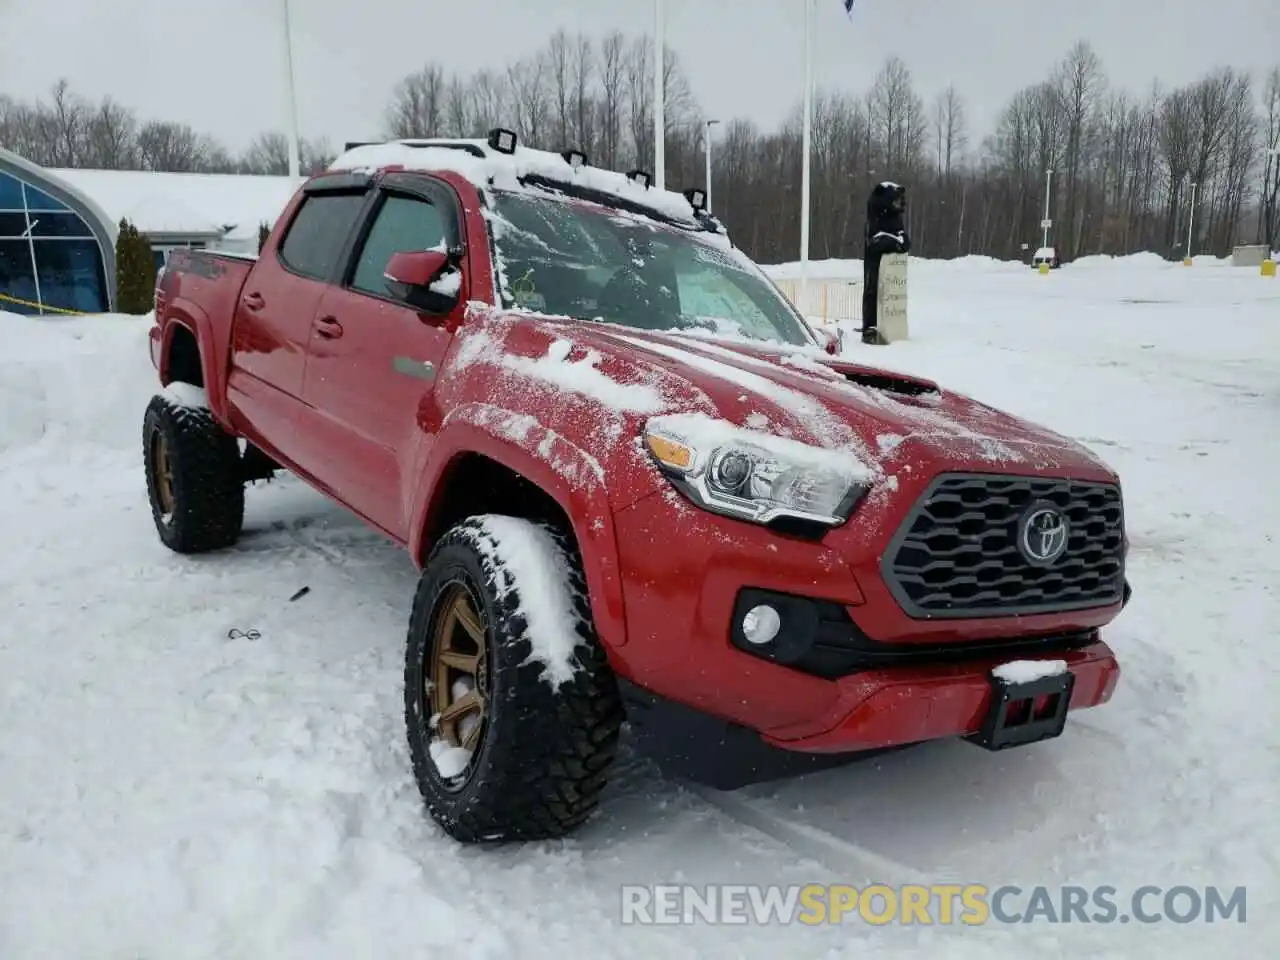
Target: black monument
885,233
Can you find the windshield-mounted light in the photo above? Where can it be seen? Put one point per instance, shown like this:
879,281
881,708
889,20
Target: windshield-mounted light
503,141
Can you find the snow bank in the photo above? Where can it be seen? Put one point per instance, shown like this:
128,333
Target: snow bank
256,799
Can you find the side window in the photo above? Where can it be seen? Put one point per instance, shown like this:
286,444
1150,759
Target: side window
314,243
403,224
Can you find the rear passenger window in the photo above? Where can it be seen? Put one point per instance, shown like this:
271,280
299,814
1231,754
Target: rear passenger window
319,232
403,225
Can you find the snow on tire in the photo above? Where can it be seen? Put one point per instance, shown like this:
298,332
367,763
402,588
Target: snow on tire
511,709
193,475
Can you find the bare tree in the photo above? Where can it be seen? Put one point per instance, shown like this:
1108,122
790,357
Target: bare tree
639,74
417,104
950,129
1268,222
1078,84
897,116
111,137
527,80
172,147
612,74
268,154
1124,161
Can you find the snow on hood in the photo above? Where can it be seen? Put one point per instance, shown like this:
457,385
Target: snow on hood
848,411
595,385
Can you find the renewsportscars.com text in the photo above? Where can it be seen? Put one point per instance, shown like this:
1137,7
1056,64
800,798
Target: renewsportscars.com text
918,904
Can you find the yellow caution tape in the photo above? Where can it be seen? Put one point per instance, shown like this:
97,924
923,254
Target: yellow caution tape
42,306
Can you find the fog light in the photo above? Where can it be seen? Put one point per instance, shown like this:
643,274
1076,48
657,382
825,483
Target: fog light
761,624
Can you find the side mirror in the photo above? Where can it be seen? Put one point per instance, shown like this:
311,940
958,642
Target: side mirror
831,340
424,279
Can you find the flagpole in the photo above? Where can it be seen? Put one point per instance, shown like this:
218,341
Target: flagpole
809,7
659,97
291,103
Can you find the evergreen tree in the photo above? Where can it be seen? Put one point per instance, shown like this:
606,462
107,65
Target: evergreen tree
135,271
264,232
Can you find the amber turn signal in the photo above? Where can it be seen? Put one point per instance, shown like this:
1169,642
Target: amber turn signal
670,453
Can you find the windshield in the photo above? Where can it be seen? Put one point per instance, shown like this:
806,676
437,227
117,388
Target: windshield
591,263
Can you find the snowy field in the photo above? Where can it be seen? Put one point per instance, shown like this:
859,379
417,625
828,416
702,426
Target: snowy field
168,791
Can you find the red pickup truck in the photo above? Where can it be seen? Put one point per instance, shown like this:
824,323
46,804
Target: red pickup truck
638,485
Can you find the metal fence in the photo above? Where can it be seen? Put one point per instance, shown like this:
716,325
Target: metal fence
830,301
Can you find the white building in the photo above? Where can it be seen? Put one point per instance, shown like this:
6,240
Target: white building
58,226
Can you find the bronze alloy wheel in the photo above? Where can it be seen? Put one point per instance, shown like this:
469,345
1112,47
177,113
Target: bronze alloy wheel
162,461
457,673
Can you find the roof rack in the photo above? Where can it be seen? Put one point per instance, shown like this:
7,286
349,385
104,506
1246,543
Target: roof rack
502,141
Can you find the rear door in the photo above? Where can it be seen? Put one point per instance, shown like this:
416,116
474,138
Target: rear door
373,359
277,307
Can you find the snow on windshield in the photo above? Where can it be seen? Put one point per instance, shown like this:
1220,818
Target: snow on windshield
572,259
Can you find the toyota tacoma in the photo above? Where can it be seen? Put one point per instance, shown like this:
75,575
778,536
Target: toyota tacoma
638,485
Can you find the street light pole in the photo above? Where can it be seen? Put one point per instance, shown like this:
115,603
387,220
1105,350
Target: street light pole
659,96
291,104
1048,186
707,143
809,10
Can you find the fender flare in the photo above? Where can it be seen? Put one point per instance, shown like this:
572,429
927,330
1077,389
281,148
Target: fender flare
192,318
565,472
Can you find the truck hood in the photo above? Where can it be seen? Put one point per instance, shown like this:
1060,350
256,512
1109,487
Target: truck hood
889,419
593,384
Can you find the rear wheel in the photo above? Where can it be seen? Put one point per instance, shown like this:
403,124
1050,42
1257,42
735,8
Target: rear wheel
500,751
193,477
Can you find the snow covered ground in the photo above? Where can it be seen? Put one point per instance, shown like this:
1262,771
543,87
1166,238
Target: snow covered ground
169,788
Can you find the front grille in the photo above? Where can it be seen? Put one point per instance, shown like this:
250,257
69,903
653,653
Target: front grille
957,554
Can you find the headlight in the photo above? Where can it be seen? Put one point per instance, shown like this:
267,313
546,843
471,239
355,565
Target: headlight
755,476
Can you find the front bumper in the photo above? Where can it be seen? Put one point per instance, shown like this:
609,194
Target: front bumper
893,680
884,708
874,712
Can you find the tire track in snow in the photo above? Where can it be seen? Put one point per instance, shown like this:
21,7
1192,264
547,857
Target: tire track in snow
842,857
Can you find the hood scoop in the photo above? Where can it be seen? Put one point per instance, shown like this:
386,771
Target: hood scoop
900,383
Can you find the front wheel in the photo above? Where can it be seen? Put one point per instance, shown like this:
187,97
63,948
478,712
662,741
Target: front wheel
193,477
512,712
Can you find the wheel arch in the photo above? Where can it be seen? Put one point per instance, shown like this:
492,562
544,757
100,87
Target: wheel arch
476,467
187,350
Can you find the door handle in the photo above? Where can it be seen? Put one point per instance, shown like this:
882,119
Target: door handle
329,328
254,301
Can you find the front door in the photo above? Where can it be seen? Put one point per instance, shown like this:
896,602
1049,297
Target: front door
373,361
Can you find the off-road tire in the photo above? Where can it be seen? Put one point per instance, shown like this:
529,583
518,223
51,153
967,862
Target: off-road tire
206,492
545,753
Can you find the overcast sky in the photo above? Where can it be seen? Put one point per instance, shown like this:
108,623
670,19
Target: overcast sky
216,64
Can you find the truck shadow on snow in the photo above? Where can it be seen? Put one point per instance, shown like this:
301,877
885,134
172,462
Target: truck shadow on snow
931,811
